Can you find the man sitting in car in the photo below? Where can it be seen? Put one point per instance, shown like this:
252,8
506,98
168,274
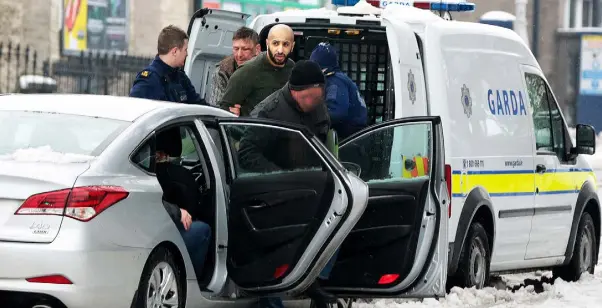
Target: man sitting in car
181,197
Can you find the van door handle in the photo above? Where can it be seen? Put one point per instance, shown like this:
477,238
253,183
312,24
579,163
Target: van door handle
540,168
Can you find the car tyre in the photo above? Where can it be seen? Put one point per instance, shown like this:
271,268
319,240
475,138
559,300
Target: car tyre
584,253
473,267
161,284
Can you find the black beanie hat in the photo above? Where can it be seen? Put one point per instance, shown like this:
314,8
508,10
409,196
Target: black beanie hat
306,74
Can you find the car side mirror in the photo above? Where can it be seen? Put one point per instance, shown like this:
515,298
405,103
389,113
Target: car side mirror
352,167
586,140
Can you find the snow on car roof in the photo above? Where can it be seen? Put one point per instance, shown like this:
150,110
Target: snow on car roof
104,106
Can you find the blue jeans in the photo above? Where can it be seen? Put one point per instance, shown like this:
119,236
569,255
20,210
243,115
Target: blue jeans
197,240
276,302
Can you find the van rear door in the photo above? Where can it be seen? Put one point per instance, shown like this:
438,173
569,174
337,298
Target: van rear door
410,97
210,33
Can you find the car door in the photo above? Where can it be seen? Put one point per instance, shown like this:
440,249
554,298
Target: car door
210,41
290,204
556,176
399,246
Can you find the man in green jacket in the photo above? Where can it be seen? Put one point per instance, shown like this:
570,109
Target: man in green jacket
255,80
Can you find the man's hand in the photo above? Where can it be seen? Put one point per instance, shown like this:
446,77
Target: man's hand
235,110
186,219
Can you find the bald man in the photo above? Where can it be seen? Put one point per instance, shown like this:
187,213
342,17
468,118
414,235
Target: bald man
255,80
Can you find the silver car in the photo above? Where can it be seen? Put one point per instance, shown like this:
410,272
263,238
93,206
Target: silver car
82,221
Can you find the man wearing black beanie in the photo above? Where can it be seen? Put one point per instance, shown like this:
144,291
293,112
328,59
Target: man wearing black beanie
300,101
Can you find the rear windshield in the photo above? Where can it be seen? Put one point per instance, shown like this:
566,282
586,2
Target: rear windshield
63,133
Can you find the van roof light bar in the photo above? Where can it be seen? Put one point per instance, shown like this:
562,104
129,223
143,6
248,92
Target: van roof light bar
433,5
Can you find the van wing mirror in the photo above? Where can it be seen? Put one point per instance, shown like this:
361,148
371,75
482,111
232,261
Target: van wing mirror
586,140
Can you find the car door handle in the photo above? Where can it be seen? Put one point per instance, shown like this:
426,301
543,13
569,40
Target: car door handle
258,204
540,168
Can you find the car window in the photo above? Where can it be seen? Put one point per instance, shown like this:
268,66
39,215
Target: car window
260,149
547,118
394,152
558,130
538,99
55,132
144,156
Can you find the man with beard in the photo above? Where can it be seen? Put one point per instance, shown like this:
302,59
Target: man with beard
255,80
245,46
300,101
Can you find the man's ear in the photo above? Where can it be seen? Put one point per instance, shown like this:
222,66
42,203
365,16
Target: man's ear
293,46
257,49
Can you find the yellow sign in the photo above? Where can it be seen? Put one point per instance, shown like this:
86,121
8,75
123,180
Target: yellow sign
75,25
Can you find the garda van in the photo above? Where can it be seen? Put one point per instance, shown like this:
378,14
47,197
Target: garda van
522,195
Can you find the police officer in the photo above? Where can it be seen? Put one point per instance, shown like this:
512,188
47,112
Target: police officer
346,106
300,101
164,78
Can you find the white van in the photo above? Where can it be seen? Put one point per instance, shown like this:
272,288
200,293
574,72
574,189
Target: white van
522,195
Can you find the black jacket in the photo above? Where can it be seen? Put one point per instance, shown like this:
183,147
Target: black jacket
267,149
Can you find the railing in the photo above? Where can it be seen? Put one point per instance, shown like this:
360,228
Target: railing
16,61
86,73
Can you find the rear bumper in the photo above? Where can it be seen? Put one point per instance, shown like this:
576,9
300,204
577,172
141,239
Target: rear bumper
103,275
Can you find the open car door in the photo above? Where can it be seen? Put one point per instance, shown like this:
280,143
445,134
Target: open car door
399,246
210,32
290,207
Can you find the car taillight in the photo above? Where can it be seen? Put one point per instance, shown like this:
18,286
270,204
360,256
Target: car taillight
52,279
448,180
81,203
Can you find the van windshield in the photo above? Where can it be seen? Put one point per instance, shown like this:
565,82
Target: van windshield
63,133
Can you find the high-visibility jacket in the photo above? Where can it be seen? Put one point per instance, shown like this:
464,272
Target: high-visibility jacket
421,168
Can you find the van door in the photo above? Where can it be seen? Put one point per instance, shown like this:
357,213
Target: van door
556,178
399,246
290,207
210,33
410,97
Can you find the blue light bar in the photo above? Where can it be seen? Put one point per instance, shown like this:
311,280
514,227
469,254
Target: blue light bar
433,5
452,7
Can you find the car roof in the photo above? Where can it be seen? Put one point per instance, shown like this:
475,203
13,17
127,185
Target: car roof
104,106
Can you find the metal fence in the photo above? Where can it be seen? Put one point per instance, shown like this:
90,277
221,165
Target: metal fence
16,61
86,73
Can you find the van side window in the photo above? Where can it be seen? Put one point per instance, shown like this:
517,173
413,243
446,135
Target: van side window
547,119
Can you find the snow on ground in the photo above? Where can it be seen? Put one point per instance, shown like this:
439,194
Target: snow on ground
585,293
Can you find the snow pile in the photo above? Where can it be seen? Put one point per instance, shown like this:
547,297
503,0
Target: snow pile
498,15
45,154
584,293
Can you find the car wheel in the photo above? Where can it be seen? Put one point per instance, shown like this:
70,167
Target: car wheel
473,268
584,253
161,282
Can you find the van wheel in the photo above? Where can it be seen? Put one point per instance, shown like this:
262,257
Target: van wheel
161,283
584,253
473,268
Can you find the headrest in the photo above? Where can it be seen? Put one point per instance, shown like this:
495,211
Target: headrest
170,142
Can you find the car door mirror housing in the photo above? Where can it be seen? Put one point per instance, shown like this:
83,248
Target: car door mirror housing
352,167
586,140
